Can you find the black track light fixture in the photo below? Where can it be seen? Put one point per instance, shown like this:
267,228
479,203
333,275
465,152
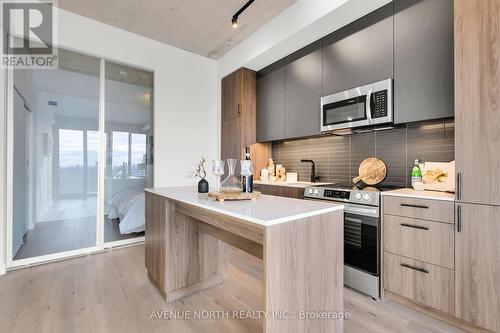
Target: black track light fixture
234,20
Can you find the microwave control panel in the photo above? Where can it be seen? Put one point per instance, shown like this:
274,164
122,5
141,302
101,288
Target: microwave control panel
379,104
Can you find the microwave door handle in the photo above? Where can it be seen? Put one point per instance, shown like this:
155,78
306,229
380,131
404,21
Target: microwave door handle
369,107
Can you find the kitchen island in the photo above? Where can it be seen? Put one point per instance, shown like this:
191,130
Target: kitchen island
300,243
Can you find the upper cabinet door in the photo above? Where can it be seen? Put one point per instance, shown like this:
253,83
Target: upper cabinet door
360,53
477,265
271,102
477,100
231,95
303,91
423,60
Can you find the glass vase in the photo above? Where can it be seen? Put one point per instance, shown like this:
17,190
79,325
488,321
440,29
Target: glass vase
231,183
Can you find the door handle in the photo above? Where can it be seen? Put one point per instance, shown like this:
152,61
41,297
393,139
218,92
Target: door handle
415,268
369,107
458,185
459,218
414,226
414,206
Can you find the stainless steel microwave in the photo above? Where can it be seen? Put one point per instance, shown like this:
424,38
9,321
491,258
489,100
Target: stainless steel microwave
363,106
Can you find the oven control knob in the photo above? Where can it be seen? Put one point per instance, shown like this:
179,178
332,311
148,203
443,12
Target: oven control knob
310,191
366,197
358,196
316,192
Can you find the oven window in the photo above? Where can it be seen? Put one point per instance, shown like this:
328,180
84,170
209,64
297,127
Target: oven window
361,242
345,111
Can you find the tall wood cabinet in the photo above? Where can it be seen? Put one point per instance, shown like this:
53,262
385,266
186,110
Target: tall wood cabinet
239,119
477,100
477,265
238,98
477,153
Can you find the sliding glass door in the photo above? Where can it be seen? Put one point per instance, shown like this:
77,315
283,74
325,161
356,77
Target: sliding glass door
64,107
129,161
61,174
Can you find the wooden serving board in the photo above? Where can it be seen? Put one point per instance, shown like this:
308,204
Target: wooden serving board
221,196
372,171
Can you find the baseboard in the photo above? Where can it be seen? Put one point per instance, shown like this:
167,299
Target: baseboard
453,321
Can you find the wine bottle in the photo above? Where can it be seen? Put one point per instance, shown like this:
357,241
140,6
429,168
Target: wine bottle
248,179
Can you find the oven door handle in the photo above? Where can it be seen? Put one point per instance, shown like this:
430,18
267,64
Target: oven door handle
351,209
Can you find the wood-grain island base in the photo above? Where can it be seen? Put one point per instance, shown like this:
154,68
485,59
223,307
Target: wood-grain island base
302,260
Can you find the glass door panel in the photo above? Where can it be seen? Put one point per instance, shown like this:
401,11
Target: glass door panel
129,161
71,168
59,149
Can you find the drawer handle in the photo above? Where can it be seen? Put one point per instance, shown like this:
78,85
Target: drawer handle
415,268
414,206
414,226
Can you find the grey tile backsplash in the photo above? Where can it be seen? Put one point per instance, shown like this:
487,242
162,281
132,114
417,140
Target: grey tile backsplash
337,157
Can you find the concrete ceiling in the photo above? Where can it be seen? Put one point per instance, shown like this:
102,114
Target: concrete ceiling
199,26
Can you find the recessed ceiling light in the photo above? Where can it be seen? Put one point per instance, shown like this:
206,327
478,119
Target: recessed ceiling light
234,20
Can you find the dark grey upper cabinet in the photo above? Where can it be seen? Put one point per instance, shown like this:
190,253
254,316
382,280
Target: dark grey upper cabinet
303,92
271,102
423,60
359,53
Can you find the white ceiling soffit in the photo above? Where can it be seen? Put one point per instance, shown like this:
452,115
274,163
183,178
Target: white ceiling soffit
200,26
299,25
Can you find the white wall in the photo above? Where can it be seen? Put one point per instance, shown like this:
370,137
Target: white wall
185,97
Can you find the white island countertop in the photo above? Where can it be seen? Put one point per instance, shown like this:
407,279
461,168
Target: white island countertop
266,210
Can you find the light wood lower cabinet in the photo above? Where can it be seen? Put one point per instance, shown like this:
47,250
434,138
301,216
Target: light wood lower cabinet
426,209
431,242
477,265
423,283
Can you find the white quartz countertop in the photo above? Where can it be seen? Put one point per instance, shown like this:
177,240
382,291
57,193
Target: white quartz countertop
266,210
411,193
289,184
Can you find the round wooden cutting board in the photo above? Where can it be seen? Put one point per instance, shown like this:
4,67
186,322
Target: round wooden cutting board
372,171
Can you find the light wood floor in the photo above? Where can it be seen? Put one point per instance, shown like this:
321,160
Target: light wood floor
110,292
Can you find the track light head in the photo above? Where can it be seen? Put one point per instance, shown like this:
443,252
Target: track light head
234,20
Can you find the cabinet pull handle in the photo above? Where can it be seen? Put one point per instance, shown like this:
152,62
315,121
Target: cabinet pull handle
414,206
414,226
459,218
415,268
458,185
239,109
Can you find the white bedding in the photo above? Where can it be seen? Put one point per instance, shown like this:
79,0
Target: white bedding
128,206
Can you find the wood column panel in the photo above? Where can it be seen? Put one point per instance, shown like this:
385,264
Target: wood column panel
302,261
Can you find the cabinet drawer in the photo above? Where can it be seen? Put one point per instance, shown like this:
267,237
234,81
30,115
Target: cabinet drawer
431,242
434,210
422,283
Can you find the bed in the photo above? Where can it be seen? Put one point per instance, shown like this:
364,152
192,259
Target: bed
128,207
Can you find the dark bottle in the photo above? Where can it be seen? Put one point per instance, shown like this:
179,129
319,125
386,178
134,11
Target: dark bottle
248,180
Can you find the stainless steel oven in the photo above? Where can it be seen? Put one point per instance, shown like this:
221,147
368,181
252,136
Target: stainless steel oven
362,248
361,233
359,107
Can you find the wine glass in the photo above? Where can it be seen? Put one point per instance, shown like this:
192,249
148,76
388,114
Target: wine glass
246,167
218,171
